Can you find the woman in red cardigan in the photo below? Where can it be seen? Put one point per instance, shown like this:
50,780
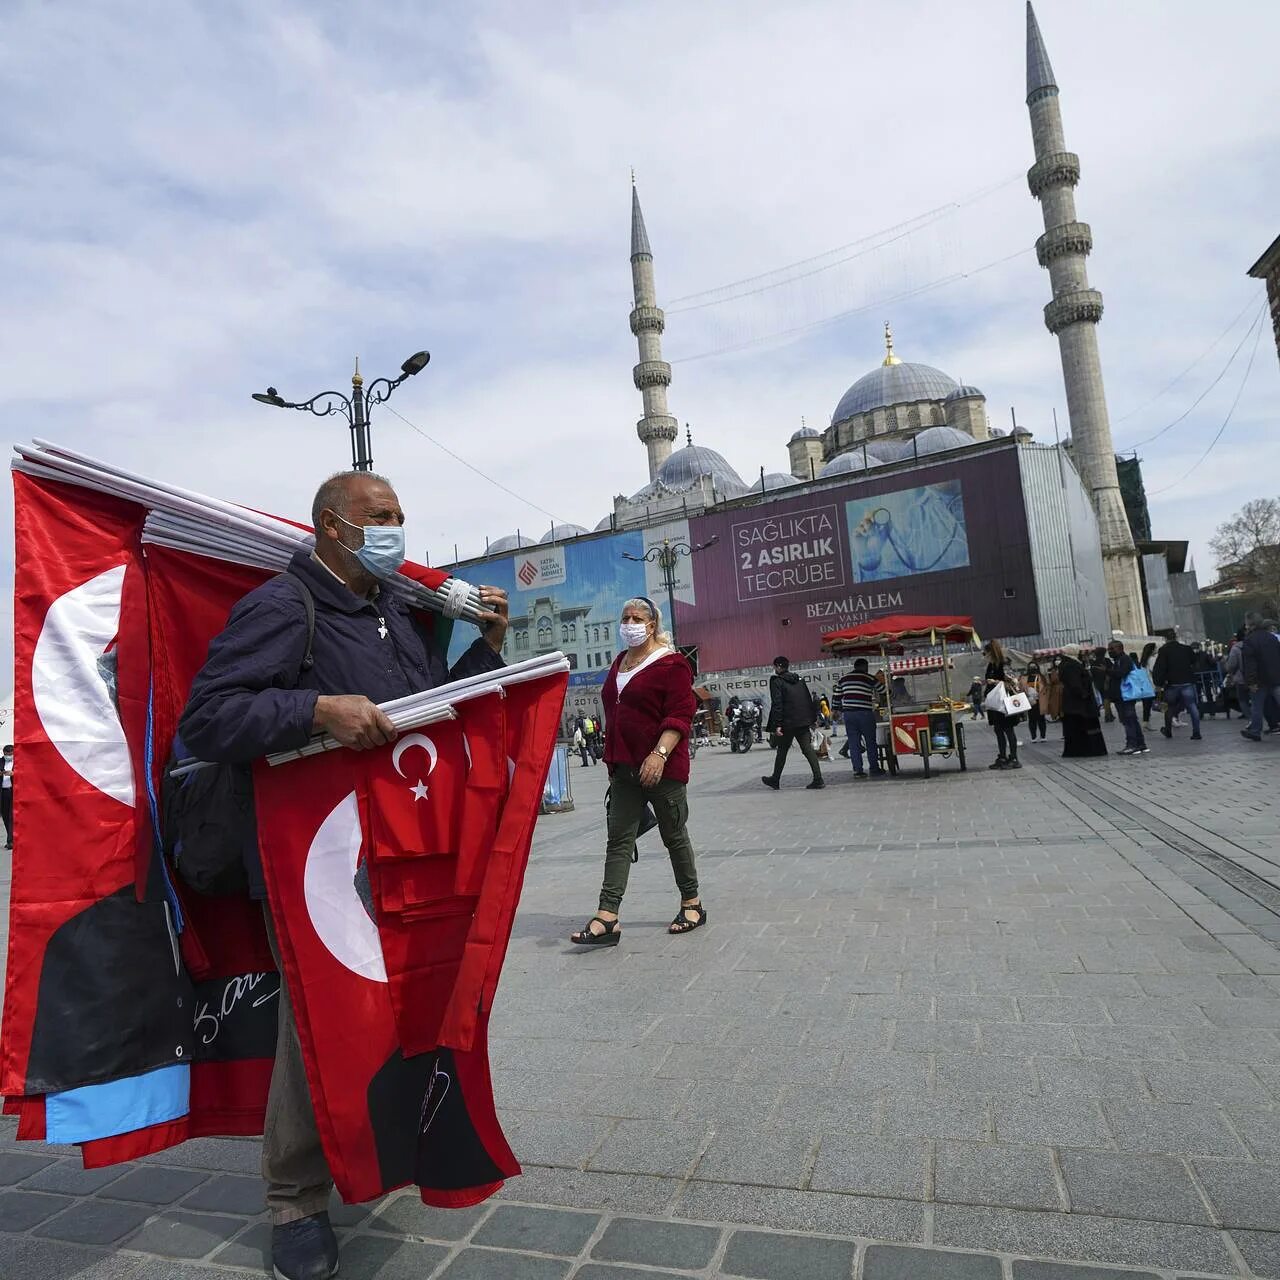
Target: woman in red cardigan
648,708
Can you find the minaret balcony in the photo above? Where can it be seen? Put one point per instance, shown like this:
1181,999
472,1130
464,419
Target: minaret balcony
651,373
647,320
1058,169
1061,242
658,427
1083,306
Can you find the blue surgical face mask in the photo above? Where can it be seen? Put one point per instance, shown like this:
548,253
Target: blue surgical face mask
383,550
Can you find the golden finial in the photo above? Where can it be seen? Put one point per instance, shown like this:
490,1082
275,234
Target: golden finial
889,357
633,175
688,435
356,379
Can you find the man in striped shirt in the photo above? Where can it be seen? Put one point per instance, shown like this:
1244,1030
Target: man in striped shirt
856,695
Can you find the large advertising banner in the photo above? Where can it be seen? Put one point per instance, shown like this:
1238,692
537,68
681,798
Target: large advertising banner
949,538
897,535
565,597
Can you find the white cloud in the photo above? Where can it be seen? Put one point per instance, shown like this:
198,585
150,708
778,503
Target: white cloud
198,202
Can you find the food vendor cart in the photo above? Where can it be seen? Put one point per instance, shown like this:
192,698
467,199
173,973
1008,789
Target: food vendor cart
928,729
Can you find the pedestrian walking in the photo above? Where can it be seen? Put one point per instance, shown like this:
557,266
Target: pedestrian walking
1081,730
792,712
975,698
1036,688
6,796
648,711
1175,674
1052,700
1261,658
580,746
1121,696
997,674
1144,661
856,692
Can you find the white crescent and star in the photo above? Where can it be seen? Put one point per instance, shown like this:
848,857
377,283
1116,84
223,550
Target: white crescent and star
72,700
419,789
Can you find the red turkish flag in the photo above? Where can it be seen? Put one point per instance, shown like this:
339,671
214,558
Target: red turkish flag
395,1100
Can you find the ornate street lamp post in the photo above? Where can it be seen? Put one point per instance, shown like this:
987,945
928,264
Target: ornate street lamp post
667,556
355,408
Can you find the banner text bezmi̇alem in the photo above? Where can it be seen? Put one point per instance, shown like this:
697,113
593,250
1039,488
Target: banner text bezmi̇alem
785,555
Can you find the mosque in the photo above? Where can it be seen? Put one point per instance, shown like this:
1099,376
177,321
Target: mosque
909,487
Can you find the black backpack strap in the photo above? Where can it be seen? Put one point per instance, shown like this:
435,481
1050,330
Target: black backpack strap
309,604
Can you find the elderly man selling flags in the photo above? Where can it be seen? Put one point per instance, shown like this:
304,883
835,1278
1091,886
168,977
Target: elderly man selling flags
313,650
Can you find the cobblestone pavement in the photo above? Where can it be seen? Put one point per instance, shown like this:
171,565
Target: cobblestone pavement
987,1025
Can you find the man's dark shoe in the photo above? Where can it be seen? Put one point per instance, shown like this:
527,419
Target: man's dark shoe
770,782
1253,737
816,785
1168,733
998,763
1014,764
304,1250
1195,737
859,773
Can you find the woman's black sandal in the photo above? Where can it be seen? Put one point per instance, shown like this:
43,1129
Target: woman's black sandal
587,938
682,924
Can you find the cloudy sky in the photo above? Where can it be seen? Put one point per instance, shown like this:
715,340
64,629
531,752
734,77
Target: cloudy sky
199,200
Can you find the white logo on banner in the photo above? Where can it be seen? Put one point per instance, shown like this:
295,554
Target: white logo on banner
540,568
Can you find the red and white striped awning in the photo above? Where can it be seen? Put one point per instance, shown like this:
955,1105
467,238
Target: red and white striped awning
913,666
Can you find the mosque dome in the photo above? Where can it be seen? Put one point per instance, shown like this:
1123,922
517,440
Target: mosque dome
893,384
559,532
606,523
779,479
510,542
684,467
940,439
805,433
965,392
851,461
893,450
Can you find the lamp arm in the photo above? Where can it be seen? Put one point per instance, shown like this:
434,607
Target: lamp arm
379,391
326,403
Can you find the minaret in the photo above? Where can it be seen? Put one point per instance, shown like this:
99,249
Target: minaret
657,429
1072,317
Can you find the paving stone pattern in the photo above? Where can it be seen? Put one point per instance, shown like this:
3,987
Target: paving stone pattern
983,1027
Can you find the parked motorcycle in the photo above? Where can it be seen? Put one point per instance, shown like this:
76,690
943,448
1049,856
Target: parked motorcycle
742,733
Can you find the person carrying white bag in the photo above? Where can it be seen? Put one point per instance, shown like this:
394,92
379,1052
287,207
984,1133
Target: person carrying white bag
1006,704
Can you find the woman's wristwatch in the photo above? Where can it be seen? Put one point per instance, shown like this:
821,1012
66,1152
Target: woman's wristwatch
658,751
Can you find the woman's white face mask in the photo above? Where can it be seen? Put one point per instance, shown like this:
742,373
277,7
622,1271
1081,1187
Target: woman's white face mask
633,634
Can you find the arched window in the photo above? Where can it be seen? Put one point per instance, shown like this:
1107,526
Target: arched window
544,632
564,633
913,416
606,630
573,631
891,418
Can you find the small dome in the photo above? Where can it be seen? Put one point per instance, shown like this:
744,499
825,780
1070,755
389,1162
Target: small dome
805,433
965,392
892,384
511,542
893,450
606,523
686,466
940,439
559,532
778,480
846,462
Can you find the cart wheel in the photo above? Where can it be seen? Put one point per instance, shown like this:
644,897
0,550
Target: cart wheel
960,746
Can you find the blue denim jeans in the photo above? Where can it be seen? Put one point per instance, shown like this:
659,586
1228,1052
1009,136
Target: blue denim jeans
1182,697
860,726
1261,697
1133,739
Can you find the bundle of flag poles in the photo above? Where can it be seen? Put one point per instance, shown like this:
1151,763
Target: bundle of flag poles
191,522
438,704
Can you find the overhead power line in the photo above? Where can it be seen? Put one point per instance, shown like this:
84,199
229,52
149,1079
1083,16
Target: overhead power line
1258,325
1173,382
877,303
1210,387
779,276
519,497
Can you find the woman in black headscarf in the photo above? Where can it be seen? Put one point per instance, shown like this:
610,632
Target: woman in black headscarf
1081,731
